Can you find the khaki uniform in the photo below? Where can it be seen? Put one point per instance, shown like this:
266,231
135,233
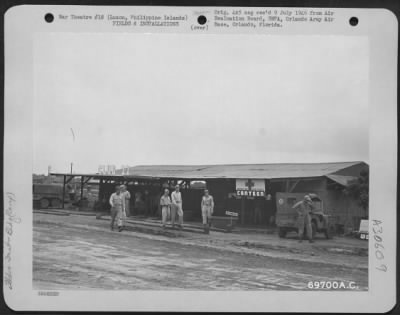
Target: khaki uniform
117,203
127,196
176,208
304,219
207,208
165,203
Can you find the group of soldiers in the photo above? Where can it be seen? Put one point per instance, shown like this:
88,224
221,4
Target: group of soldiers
171,207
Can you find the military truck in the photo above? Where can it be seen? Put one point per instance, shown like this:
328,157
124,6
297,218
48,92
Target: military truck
287,217
47,195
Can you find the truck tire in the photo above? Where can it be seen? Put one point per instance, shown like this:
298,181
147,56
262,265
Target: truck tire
330,232
44,203
282,232
55,203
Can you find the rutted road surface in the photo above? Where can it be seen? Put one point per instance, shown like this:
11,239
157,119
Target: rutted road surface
80,252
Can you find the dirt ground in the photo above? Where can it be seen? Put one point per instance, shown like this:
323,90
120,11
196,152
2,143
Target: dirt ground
80,252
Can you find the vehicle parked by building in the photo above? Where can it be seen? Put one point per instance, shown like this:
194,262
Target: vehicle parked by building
287,217
47,195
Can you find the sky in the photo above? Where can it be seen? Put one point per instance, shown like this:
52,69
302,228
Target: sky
142,99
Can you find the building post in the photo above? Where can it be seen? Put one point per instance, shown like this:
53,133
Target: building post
82,178
100,190
242,210
63,196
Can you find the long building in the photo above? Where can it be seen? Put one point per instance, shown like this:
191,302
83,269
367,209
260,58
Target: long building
240,188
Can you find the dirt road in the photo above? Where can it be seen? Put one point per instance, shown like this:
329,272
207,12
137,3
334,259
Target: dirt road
80,252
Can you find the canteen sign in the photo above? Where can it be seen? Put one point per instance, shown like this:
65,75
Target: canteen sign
250,187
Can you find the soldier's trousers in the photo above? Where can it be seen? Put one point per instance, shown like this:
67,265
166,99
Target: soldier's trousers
165,212
176,210
206,214
116,213
304,222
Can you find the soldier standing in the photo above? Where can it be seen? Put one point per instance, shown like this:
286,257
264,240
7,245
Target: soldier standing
176,209
127,196
165,203
207,209
303,209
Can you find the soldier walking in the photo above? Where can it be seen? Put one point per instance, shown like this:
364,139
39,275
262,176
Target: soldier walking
117,203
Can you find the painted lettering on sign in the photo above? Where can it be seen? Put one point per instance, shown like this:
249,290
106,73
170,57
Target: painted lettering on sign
250,193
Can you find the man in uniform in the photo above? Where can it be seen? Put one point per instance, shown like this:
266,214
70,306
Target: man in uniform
207,209
127,196
117,203
303,209
176,209
165,203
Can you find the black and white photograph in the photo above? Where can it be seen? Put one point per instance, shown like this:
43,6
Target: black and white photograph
215,156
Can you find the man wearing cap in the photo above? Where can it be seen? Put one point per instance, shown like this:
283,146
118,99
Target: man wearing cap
176,209
117,203
165,203
207,209
303,209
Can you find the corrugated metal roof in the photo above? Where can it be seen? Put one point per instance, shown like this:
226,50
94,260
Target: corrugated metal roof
342,179
267,171
96,175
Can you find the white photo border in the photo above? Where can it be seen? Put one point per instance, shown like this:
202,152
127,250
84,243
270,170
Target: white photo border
21,24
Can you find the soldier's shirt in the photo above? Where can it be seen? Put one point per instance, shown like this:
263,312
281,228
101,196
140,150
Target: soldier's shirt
165,201
117,201
208,201
304,207
176,198
126,195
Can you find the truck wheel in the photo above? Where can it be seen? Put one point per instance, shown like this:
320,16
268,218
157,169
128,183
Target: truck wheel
329,232
282,232
313,229
56,203
44,203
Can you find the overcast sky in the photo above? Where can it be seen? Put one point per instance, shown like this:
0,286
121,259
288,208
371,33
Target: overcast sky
190,99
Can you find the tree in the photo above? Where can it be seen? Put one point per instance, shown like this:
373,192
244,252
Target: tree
359,189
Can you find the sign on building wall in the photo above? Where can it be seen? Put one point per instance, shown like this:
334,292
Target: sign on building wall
250,187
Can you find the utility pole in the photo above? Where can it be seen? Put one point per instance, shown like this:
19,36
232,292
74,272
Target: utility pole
73,141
